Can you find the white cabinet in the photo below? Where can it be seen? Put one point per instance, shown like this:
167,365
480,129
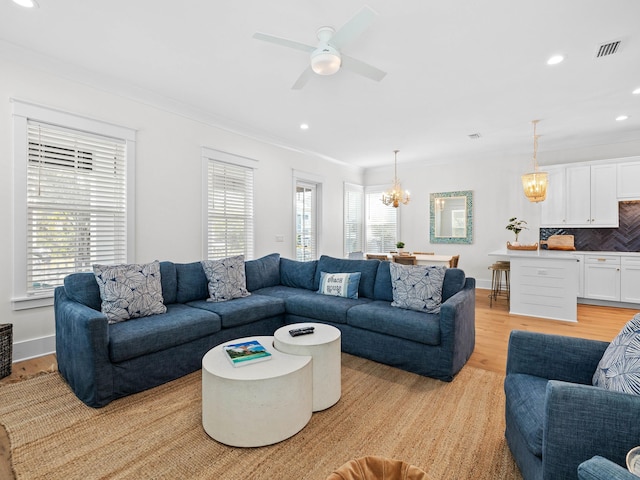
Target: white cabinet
629,180
553,208
581,196
580,275
602,277
630,279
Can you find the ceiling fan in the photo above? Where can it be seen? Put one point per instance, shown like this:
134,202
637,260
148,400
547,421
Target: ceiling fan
326,57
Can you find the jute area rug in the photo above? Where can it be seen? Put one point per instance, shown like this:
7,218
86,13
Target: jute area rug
451,430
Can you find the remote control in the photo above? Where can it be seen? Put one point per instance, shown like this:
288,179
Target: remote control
301,331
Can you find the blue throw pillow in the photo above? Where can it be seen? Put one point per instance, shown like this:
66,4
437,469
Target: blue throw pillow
340,284
619,368
417,287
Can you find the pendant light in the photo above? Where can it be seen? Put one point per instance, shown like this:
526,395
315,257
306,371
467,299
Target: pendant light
395,196
535,183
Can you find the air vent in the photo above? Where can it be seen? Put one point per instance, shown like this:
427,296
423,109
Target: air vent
474,136
607,49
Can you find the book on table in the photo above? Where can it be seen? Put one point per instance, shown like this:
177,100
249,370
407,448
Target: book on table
246,352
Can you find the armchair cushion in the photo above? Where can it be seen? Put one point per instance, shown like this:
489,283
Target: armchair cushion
599,468
619,369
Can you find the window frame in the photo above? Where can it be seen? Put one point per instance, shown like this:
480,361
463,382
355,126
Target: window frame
352,188
213,155
377,191
315,181
23,112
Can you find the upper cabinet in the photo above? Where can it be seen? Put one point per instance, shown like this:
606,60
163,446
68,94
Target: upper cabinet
629,180
583,196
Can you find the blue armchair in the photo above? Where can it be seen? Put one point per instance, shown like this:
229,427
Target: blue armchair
555,418
598,468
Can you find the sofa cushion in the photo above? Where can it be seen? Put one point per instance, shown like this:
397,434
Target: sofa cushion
322,307
417,287
169,280
525,403
379,316
263,272
382,290
367,268
192,282
619,368
241,311
339,284
282,291
130,290
180,324
83,288
298,274
226,278
454,280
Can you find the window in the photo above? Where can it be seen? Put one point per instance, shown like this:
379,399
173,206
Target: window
229,205
381,222
305,222
353,218
71,198
307,203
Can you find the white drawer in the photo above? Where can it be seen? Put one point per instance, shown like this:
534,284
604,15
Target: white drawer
602,259
630,261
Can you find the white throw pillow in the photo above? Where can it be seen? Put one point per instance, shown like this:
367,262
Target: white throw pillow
417,287
340,284
619,368
130,291
227,278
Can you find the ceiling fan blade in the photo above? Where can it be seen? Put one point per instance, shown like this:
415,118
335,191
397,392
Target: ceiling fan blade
362,68
303,79
284,42
353,28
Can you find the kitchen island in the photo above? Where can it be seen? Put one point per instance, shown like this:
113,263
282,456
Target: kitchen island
544,283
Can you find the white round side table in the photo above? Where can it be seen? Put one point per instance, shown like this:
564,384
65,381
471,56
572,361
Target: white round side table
324,346
258,404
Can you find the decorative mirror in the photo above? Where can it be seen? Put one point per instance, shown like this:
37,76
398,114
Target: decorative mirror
451,217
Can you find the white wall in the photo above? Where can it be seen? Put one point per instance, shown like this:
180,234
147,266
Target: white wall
497,196
168,185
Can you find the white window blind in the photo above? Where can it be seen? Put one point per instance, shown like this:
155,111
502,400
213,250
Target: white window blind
229,210
76,203
381,223
306,221
353,218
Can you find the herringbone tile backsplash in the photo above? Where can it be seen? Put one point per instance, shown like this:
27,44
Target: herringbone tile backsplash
625,238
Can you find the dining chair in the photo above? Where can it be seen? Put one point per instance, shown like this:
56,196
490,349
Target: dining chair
375,256
453,263
424,253
405,259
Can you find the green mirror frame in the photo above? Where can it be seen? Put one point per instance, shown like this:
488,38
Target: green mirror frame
440,199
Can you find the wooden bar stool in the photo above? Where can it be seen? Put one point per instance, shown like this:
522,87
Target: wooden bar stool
500,287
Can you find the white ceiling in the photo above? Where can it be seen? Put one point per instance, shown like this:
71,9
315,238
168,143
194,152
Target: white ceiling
454,68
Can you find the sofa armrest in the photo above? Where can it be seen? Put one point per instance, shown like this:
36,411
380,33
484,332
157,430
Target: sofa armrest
554,357
599,468
582,421
82,350
458,327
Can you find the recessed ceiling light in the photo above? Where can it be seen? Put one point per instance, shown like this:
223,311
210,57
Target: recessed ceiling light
621,118
26,3
304,126
636,91
555,60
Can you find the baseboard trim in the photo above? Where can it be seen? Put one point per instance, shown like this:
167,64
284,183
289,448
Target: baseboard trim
36,347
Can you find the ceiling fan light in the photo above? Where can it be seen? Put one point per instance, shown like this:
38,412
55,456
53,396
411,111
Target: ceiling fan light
325,61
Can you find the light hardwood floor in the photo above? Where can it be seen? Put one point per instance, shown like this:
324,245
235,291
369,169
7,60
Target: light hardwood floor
493,326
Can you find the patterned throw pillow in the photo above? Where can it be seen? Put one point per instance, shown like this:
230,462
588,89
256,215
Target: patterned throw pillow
130,291
227,278
417,287
340,284
619,368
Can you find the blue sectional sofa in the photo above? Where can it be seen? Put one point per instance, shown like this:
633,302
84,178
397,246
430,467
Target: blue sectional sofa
102,361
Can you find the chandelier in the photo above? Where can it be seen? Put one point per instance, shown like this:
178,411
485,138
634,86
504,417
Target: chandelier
535,183
395,196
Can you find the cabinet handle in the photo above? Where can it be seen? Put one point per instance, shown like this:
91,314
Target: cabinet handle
602,259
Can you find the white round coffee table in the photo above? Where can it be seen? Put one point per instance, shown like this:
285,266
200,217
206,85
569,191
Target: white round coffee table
324,346
257,404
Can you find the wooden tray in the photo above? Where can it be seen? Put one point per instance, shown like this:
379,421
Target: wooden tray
522,247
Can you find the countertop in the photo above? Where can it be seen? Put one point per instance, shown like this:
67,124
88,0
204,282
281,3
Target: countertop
556,254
